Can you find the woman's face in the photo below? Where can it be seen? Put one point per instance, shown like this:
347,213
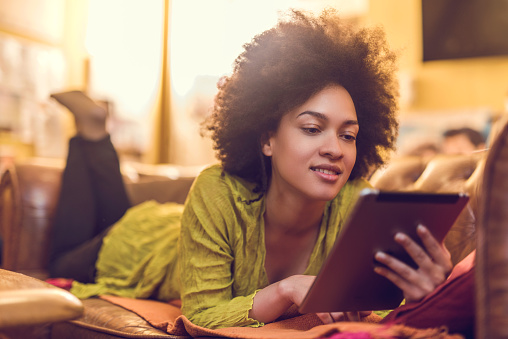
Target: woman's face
314,148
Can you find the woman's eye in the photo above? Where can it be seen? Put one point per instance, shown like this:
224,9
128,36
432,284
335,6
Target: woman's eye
349,137
311,130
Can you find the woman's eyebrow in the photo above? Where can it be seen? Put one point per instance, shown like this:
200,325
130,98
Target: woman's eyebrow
351,122
325,118
315,114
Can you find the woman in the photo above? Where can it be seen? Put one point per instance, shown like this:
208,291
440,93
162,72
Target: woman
307,113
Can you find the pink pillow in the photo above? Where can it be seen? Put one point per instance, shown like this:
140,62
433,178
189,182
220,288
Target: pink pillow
452,304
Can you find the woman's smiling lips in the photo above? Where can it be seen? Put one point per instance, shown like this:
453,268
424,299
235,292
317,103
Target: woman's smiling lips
327,172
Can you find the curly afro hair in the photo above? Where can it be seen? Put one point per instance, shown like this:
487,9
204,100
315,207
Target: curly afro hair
281,68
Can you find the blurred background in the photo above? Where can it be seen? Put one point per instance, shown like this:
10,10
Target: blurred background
155,65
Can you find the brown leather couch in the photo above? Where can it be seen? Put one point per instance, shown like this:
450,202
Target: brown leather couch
28,193
28,197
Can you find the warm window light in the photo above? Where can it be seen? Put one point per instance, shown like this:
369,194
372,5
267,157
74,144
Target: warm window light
206,36
124,40
206,41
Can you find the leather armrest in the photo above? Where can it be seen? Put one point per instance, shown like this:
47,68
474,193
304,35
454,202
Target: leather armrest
28,194
37,307
400,174
448,173
26,301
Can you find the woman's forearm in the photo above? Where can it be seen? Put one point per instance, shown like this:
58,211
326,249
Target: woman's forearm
272,301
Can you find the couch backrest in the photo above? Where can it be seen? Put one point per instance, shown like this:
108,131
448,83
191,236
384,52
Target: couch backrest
28,197
29,193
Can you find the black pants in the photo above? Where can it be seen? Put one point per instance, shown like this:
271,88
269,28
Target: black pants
92,198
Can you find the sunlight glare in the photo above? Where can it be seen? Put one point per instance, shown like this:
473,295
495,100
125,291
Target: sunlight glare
206,36
206,41
124,42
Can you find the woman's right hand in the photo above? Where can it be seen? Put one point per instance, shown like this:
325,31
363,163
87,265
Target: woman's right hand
296,288
433,260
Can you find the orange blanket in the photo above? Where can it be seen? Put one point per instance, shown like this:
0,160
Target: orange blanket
168,318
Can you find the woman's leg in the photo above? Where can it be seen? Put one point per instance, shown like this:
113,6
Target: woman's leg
92,196
111,200
74,221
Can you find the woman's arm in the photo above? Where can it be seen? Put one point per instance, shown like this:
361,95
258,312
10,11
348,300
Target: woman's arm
272,301
434,265
221,266
206,262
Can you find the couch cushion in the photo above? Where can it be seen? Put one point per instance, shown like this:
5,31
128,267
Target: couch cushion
103,319
450,305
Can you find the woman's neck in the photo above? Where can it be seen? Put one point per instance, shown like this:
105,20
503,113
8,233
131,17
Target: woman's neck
292,215
291,230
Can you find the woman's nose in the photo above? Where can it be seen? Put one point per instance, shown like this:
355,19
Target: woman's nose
332,148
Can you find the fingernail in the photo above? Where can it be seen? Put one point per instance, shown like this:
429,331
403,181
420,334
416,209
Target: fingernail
399,236
380,255
421,228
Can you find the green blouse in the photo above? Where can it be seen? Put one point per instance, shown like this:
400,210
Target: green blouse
221,252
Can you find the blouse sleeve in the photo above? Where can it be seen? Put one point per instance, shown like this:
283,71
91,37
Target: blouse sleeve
207,256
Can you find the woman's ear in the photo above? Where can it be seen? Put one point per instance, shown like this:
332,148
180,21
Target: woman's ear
266,147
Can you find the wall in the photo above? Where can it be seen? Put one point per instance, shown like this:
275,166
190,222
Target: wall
73,43
472,88
439,85
427,87
68,35
47,39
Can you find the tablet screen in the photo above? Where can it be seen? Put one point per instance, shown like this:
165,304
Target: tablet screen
347,281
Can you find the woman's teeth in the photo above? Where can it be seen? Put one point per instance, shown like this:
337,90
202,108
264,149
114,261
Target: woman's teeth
325,171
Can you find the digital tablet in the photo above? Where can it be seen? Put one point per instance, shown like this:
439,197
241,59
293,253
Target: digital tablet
347,281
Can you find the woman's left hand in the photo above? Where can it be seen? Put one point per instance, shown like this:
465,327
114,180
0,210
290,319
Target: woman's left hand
332,317
434,265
